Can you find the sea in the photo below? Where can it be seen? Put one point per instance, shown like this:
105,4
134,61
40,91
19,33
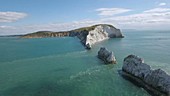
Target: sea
63,67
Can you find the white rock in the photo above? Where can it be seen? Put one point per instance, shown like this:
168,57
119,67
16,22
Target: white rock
102,32
111,58
96,35
106,56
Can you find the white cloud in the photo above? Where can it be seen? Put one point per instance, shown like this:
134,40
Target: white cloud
157,10
162,4
11,16
157,18
6,27
13,30
111,11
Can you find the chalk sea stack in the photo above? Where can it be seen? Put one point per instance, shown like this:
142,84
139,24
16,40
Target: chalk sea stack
87,35
107,56
156,82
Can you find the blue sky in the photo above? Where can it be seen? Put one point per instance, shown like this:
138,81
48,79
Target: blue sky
25,16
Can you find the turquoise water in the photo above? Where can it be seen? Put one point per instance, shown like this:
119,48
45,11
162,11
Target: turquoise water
62,67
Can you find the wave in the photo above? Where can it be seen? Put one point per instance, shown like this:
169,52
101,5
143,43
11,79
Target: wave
91,72
76,53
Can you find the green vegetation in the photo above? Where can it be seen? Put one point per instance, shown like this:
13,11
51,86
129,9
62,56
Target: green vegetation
40,34
90,28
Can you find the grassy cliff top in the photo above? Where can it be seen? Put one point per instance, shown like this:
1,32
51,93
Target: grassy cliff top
45,33
91,27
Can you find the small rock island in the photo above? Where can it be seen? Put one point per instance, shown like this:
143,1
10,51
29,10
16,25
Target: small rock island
87,35
107,56
156,82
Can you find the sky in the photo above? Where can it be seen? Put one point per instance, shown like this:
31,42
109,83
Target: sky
27,16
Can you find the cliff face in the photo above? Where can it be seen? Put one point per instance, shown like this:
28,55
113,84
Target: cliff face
87,35
102,32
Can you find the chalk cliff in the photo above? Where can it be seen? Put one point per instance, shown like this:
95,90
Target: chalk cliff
87,35
102,32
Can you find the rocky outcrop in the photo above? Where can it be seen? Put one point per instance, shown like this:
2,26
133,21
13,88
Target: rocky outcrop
107,56
160,80
156,82
88,46
87,35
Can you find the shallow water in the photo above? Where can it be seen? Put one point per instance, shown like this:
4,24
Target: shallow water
62,67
